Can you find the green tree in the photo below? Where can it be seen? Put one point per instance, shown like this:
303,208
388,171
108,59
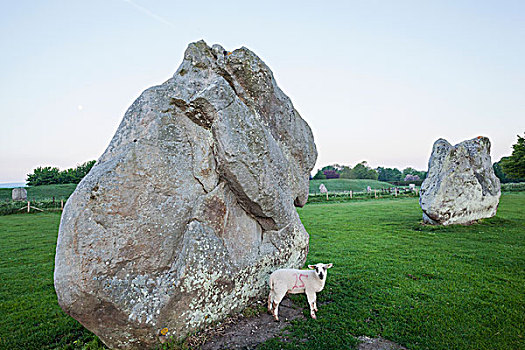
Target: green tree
389,174
51,176
43,176
346,172
409,171
515,164
500,174
319,175
363,171
82,170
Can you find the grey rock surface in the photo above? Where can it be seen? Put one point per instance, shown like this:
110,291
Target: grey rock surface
19,194
461,186
191,206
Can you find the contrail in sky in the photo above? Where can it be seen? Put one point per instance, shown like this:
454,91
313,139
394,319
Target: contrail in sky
149,13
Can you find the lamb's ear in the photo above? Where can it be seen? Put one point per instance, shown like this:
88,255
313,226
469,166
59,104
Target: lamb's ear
311,267
329,265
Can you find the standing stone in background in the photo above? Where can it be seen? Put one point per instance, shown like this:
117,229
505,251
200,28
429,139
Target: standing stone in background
460,186
192,205
19,194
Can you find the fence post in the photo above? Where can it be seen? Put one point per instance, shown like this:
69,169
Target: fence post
28,206
61,204
326,195
350,194
375,193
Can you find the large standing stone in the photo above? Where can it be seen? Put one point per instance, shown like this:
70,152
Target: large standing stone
19,194
460,186
191,206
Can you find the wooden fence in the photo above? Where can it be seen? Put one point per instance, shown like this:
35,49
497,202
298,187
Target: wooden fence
373,193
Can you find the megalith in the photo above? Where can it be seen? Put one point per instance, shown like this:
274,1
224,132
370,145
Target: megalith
191,206
19,194
460,186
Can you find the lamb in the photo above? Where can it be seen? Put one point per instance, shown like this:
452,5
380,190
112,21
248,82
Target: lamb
296,281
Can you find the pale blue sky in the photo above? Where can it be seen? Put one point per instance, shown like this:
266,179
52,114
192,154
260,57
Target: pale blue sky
376,80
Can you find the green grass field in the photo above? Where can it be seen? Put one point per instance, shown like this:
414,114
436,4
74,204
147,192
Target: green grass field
42,192
340,185
456,287
31,317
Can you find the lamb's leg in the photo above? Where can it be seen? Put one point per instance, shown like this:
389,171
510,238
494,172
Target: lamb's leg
311,296
277,297
270,302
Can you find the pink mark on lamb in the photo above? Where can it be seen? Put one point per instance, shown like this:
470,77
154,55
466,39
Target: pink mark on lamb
298,279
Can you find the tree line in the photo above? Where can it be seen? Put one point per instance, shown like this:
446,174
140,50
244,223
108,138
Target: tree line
364,171
53,176
512,168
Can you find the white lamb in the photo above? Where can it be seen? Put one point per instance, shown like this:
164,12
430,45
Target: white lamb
296,281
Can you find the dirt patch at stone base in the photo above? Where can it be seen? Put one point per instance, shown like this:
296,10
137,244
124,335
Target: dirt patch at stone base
246,332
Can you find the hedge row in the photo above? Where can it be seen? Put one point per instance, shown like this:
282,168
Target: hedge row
12,207
513,187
